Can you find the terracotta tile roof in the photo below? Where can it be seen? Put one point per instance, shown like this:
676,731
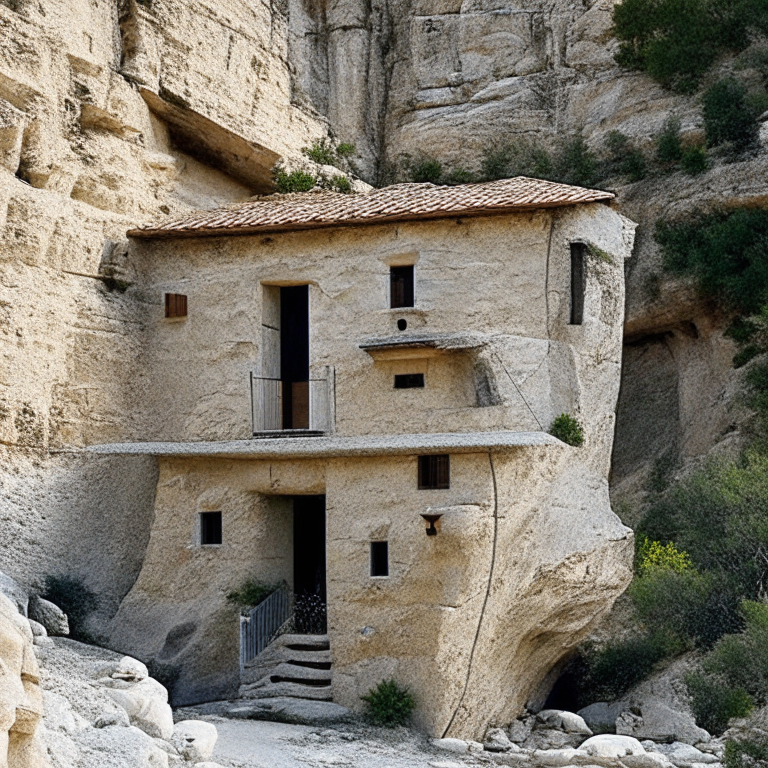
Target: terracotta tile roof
400,202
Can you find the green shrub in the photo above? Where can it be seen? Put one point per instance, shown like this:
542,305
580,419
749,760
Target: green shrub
730,116
747,353
388,704
624,158
653,555
520,157
677,41
575,163
607,673
742,660
459,176
714,702
429,170
323,152
719,515
726,252
694,160
695,609
669,148
746,753
75,599
566,428
295,181
251,593
340,184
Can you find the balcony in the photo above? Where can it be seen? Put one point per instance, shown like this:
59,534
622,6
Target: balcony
300,408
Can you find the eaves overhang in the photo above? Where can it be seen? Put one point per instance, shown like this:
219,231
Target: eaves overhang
327,447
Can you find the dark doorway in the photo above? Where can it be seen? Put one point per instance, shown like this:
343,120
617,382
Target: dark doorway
309,564
294,355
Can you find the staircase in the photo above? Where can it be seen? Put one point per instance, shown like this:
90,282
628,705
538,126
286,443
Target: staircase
297,666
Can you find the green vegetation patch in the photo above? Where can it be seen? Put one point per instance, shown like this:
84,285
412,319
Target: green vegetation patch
252,592
388,704
725,251
677,41
566,428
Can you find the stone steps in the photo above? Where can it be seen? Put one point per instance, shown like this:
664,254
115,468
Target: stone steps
297,666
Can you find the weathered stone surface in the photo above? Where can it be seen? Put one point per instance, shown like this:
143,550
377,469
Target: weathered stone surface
601,716
14,592
21,701
282,710
49,615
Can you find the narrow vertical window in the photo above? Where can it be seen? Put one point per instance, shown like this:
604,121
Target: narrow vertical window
379,558
578,282
175,305
210,528
434,472
401,286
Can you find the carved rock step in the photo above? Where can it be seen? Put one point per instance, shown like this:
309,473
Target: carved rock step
300,674
267,689
307,651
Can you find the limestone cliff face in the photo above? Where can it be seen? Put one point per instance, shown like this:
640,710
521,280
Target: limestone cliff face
112,113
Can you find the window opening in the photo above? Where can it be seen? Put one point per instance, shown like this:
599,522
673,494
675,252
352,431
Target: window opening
401,286
294,355
409,380
210,528
402,324
379,558
175,305
434,472
578,282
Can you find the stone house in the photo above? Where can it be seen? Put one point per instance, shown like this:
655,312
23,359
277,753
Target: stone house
322,371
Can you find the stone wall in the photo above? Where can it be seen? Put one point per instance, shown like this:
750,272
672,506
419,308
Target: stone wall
100,108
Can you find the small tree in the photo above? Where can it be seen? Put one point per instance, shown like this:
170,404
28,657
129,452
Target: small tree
730,116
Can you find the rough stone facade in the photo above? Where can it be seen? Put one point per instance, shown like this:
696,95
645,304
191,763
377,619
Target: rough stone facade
528,550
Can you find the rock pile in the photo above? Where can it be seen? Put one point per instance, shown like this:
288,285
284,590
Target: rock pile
555,739
69,704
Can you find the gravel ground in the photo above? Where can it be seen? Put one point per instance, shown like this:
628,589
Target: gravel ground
261,744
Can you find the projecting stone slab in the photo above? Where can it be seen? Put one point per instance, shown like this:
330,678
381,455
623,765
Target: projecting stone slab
280,710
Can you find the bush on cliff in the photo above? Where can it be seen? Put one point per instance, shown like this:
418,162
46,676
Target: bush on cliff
677,41
730,115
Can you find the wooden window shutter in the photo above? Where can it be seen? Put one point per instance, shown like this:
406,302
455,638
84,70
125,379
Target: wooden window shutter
175,305
401,293
434,472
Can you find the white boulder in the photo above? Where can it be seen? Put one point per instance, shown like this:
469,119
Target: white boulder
684,755
126,668
569,722
459,746
146,703
194,739
646,760
608,745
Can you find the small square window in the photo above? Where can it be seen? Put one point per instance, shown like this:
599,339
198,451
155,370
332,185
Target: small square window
401,287
409,380
379,558
175,305
210,528
434,472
